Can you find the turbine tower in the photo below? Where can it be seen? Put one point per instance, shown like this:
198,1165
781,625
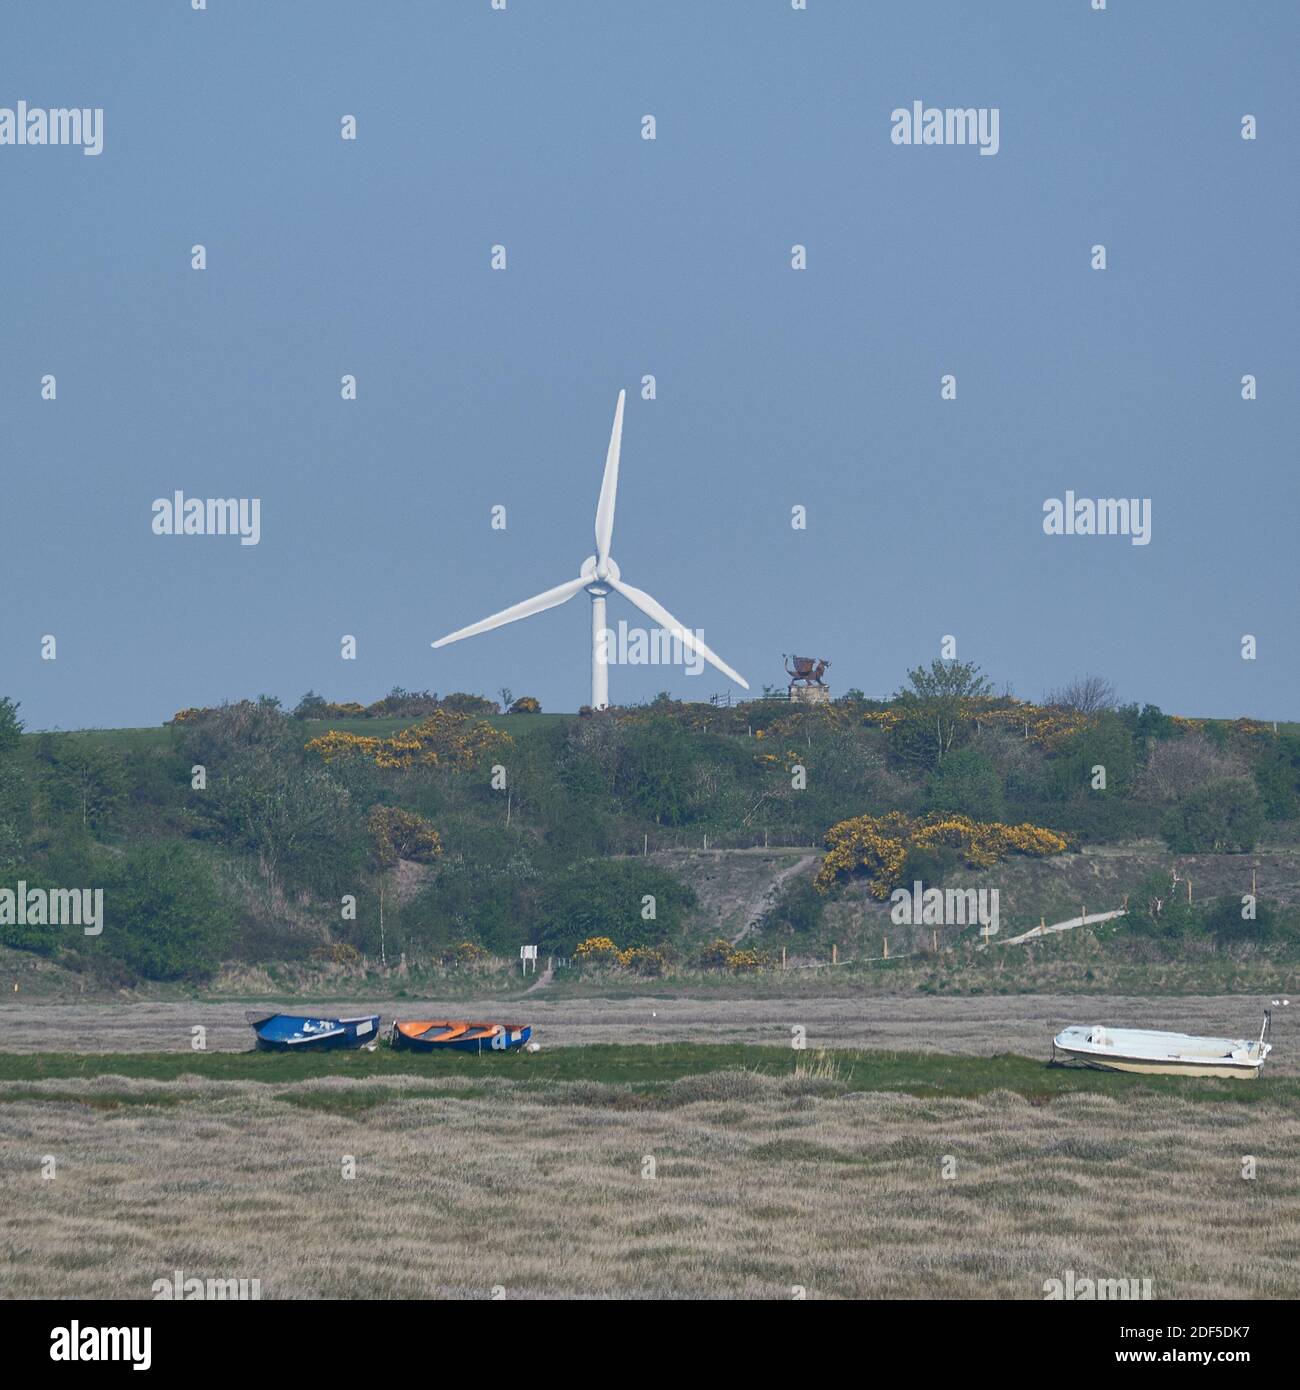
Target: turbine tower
600,575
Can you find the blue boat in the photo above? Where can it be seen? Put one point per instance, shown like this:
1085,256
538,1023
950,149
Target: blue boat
451,1035
300,1033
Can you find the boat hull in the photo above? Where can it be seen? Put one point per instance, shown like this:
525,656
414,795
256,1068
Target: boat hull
1166,1068
452,1036
1147,1053
302,1033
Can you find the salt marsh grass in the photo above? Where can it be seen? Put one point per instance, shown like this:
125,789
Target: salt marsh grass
761,1184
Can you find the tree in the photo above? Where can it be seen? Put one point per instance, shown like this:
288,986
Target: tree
15,812
611,898
1105,745
1158,907
935,705
1223,817
484,894
11,727
311,706
86,779
944,681
163,914
1087,694
1176,767
1277,774
297,820
655,774
1148,722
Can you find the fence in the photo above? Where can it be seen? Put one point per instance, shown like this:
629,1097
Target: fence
713,843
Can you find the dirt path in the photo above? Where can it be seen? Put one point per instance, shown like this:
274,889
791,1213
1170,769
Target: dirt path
541,982
764,900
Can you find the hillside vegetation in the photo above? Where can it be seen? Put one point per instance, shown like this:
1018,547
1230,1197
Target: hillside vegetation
448,833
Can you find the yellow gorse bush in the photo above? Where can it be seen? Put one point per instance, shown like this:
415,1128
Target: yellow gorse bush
879,845
1047,726
445,737
600,950
722,955
595,948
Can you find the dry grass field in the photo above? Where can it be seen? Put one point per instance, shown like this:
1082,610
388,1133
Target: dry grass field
469,1179
762,1185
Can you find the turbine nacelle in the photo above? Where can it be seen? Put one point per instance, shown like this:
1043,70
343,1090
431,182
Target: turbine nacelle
600,575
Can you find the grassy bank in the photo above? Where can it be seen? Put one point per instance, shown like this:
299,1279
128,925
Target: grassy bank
646,1071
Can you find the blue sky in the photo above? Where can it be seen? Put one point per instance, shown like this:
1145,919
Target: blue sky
626,257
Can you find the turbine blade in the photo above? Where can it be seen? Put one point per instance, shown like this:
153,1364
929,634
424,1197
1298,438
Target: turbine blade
659,614
609,485
562,593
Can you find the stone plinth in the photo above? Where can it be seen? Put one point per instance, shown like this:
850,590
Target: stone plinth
810,694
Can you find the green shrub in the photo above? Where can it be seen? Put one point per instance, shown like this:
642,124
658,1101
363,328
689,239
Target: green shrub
1276,769
1223,817
798,908
1226,920
461,703
966,782
11,727
608,898
1158,908
163,914
1107,744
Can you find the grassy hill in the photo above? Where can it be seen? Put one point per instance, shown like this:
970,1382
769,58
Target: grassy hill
250,845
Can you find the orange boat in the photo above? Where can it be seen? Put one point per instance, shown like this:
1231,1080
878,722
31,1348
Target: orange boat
450,1035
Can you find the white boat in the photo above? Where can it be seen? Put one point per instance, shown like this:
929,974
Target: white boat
1163,1054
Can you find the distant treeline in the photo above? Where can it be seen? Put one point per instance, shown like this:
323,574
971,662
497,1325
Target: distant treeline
397,704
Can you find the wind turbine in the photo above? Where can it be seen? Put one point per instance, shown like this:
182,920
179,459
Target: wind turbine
599,575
